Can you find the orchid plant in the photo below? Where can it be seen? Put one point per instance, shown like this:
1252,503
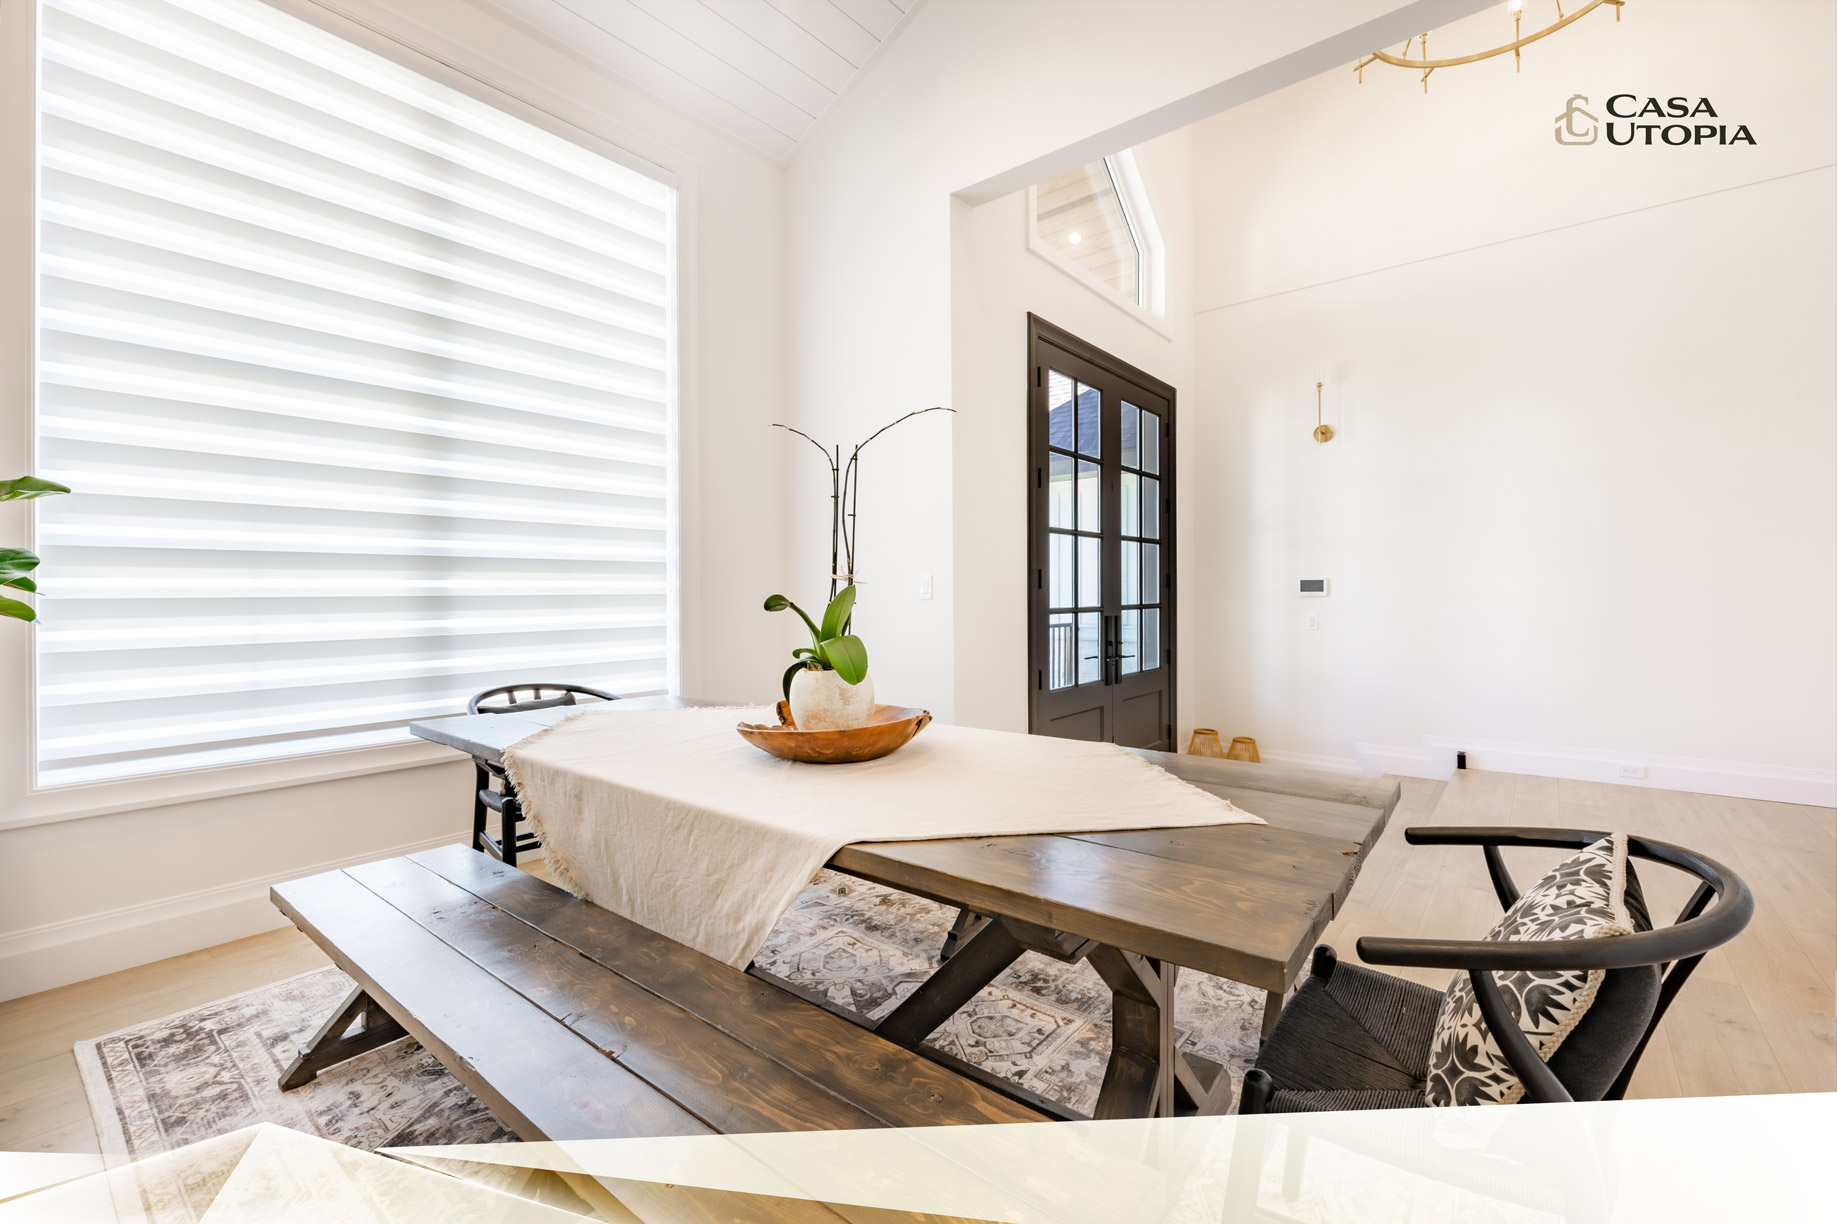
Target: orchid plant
832,647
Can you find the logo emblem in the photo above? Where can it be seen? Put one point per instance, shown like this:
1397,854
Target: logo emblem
1569,124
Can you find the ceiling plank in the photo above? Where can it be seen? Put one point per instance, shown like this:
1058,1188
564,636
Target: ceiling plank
832,27
778,33
633,25
706,27
877,17
588,42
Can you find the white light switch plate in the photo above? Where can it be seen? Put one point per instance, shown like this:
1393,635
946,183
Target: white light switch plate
924,586
1313,620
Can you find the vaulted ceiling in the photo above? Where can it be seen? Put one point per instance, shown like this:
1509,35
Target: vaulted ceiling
762,71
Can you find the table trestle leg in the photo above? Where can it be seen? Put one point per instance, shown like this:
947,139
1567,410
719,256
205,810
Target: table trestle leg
1147,1076
337,1040
1139,1082
977,963
962,930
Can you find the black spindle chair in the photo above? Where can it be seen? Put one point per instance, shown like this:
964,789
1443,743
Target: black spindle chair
1353,1038
503,798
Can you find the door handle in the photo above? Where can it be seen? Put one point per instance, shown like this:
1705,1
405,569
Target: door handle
1112,648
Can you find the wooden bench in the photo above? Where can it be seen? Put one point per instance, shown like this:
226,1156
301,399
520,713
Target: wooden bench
571,1022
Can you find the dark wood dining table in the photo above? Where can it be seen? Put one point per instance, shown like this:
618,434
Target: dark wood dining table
1241,901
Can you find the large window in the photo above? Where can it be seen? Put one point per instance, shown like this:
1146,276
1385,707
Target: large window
366,390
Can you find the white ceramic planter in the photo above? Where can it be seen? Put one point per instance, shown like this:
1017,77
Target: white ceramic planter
824,701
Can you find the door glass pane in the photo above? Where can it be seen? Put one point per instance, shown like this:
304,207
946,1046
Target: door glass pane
1151,638
1059,491
1151,508
1131,571
1090,571
1090,647
1129,502
1090,428
1130,457
1059,570
1061,651
1059,410
1132,641
1151,573
1151,442
1090,496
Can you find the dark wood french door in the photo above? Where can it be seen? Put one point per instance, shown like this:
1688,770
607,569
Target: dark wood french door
1100,544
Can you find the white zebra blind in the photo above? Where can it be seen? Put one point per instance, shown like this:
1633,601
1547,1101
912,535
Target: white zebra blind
364,387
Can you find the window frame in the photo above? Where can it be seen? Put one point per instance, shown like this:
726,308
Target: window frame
1138,216
23,802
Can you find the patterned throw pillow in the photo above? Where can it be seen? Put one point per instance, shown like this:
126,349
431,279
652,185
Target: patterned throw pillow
1583,897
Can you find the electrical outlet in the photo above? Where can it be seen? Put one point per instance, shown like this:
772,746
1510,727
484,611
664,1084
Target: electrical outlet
1632,771
1313,620
924,586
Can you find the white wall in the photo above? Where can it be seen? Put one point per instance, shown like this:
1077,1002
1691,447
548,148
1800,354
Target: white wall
967,93
995,281
1580,510
157,874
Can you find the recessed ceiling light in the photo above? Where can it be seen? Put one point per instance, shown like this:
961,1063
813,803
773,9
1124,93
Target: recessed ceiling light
1077,237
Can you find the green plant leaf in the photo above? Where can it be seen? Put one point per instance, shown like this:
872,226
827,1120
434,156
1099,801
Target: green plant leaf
847,656
29,486
835,617
778,603
24,584
16,610
791,671
16,563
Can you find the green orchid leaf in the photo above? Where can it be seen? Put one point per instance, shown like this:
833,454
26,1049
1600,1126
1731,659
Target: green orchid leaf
778,603
29,486
16,562
16,610
835,617
847,656
791,671
24,584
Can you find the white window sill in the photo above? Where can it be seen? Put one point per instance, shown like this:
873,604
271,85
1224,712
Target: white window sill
1141,314
48,805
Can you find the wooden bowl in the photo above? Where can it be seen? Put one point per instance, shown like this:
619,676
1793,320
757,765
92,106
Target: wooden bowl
887,731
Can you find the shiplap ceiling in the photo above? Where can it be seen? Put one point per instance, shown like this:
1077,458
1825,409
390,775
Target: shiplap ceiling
762,71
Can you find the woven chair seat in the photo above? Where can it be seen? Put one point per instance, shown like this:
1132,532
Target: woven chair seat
1358,1035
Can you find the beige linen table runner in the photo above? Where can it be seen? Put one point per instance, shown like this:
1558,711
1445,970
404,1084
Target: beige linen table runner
669,818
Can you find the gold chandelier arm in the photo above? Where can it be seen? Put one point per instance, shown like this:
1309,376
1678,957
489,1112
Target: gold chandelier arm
1401,62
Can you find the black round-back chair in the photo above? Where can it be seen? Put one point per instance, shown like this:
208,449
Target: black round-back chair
1353,1038
502,799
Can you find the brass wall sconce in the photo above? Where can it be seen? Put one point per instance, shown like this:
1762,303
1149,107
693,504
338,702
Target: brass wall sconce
1323,432
1519,40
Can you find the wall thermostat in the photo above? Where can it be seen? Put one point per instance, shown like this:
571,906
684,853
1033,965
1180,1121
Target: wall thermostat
1313,586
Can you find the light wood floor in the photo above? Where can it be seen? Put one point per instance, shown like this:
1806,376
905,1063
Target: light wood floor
1756,1017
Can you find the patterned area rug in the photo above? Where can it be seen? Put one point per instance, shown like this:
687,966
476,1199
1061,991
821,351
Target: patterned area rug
1043,1024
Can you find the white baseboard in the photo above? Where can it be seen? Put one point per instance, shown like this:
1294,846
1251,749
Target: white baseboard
76,949
1436,758
1312,760
1405,762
